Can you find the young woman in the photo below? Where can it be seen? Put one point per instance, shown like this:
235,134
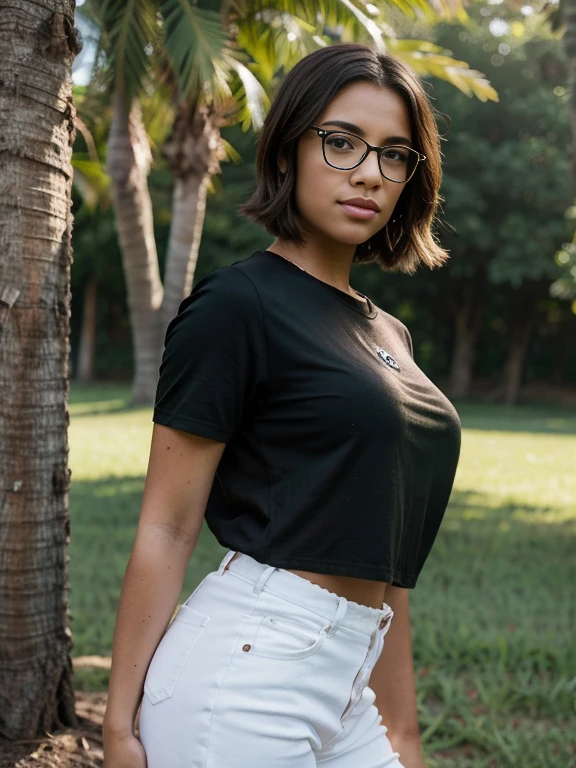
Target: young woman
291,415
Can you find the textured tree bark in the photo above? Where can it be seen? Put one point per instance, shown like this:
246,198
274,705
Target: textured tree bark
37,47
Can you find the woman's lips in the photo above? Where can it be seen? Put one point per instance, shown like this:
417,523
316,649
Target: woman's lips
358,212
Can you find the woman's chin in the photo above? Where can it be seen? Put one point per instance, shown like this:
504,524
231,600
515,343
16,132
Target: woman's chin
348,235
351,238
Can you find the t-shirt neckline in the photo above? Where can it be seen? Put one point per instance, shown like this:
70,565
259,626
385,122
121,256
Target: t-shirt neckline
365,308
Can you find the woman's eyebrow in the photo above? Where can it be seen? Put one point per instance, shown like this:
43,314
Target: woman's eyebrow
356,129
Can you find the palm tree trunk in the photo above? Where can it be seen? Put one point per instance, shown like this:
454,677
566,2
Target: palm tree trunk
128,164
193,149
88,332
37,47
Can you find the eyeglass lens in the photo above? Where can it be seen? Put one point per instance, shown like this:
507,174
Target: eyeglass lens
344,152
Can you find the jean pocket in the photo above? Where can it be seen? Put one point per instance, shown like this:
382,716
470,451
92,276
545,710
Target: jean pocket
172,653
281,637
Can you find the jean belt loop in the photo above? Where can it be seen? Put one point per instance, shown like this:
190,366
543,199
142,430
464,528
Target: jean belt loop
338,617
227,557
387,613
263,578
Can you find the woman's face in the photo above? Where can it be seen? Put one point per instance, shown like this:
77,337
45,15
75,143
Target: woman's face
381,117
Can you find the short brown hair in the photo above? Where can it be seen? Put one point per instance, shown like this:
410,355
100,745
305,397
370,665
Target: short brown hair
304,93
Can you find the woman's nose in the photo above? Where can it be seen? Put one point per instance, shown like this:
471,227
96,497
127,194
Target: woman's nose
369,169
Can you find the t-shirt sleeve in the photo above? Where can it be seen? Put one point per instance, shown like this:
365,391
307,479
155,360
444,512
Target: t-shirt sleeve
214,358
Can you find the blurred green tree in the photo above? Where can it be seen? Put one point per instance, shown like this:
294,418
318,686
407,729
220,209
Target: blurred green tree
506,183
562,17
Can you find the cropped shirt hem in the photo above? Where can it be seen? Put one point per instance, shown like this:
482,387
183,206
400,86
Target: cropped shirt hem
191,425
336,568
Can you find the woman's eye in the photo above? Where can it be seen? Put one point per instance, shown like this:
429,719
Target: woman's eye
339,142
396,155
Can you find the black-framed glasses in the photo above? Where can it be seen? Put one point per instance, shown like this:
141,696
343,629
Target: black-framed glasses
345,151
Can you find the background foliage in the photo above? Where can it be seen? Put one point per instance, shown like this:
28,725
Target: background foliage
506,189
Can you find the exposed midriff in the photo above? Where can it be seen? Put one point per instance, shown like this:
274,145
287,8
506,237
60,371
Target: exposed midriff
362,591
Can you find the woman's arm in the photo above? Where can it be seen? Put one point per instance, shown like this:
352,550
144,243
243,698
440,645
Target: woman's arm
180,473
394,683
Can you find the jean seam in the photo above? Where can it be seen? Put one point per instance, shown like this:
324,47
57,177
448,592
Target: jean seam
223,679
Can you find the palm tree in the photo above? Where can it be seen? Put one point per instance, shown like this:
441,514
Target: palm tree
221,59
37,46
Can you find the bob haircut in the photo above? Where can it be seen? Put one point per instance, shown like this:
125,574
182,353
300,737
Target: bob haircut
307,89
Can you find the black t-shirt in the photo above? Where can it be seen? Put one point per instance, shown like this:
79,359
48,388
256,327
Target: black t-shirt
340,452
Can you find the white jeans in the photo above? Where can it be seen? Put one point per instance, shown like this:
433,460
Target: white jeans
261,668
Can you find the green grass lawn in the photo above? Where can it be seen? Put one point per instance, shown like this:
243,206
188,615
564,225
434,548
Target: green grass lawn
494,611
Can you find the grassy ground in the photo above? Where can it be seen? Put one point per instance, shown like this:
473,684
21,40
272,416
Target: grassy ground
494,612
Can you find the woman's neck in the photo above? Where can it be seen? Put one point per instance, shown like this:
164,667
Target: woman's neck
332,270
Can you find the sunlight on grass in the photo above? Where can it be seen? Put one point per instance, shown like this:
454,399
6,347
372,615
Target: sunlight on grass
514,467
111,444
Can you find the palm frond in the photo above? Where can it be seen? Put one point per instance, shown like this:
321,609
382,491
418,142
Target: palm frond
257,39
158,114
410,8
373,29
429,59
278,34
230,152
130,30
254,102
277,41
340,19
452,10
196,43
91,181
430,9
425,9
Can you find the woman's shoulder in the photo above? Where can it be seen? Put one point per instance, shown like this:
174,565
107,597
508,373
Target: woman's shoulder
226,286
